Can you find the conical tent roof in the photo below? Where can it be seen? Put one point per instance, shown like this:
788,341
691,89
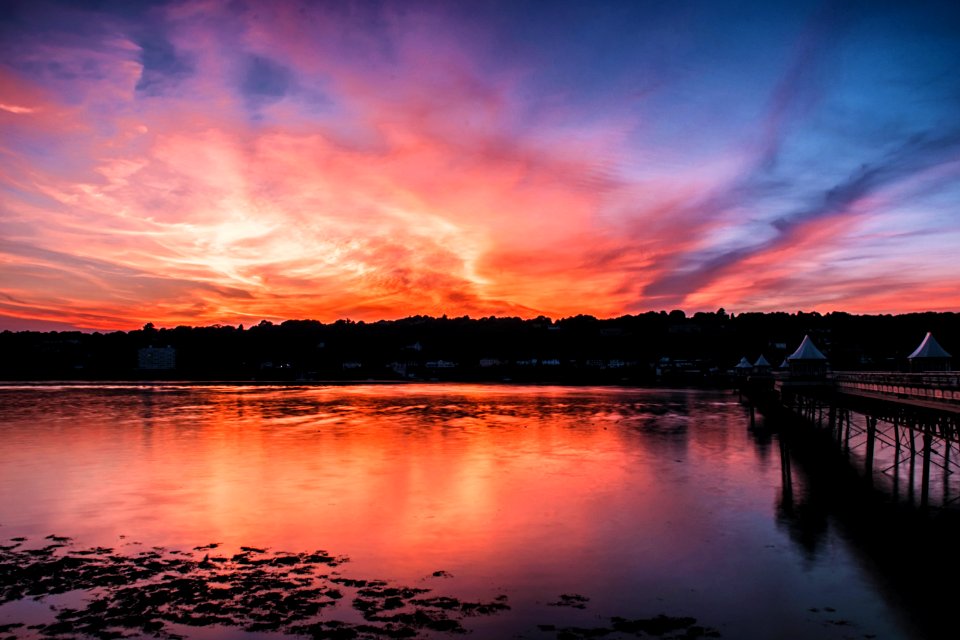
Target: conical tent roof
785,364
743,364
761,362
929,348
807,351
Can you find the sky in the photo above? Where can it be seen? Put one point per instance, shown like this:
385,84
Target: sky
206,162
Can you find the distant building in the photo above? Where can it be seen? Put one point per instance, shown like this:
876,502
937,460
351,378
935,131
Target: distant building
157,358
490,362
441,364
929,356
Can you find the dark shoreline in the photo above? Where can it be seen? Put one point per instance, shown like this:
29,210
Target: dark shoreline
633,349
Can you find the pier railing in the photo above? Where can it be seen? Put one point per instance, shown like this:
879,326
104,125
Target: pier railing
942,387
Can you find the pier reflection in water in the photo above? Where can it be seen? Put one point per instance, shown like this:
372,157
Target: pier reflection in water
643,501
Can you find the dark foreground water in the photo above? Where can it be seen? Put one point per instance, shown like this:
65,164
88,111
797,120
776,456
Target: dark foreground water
389,511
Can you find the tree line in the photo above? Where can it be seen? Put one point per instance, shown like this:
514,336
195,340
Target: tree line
639,348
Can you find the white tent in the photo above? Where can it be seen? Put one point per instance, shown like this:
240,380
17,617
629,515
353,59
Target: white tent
806,351
929,348
929,356
807,362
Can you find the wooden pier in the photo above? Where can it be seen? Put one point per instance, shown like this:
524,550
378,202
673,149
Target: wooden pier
895,418
915,417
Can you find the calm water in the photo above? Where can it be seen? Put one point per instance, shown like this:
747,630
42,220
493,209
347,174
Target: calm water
645,502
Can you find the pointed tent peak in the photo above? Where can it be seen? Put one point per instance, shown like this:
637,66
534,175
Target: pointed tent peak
929,348
785,364
807,351
761,362
743,364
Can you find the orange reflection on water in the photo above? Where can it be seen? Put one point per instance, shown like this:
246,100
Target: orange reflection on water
397,476
418,481
403,479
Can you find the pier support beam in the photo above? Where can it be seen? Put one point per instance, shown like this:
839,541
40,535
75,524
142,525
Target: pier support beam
913,459
846,436
946,470
925,473
911,427
896,457
871,442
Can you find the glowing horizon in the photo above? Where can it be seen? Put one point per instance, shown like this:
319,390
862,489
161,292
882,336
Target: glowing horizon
199,163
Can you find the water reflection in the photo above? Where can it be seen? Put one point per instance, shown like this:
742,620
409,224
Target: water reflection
648,502
829,498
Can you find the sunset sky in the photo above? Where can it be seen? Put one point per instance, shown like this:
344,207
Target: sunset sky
227,162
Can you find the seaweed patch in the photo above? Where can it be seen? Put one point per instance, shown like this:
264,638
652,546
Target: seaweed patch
164,593
147,593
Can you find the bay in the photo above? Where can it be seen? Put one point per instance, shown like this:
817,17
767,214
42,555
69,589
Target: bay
575,505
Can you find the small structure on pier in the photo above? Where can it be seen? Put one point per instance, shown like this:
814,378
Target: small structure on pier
743,367
762,365
807,361
929,356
